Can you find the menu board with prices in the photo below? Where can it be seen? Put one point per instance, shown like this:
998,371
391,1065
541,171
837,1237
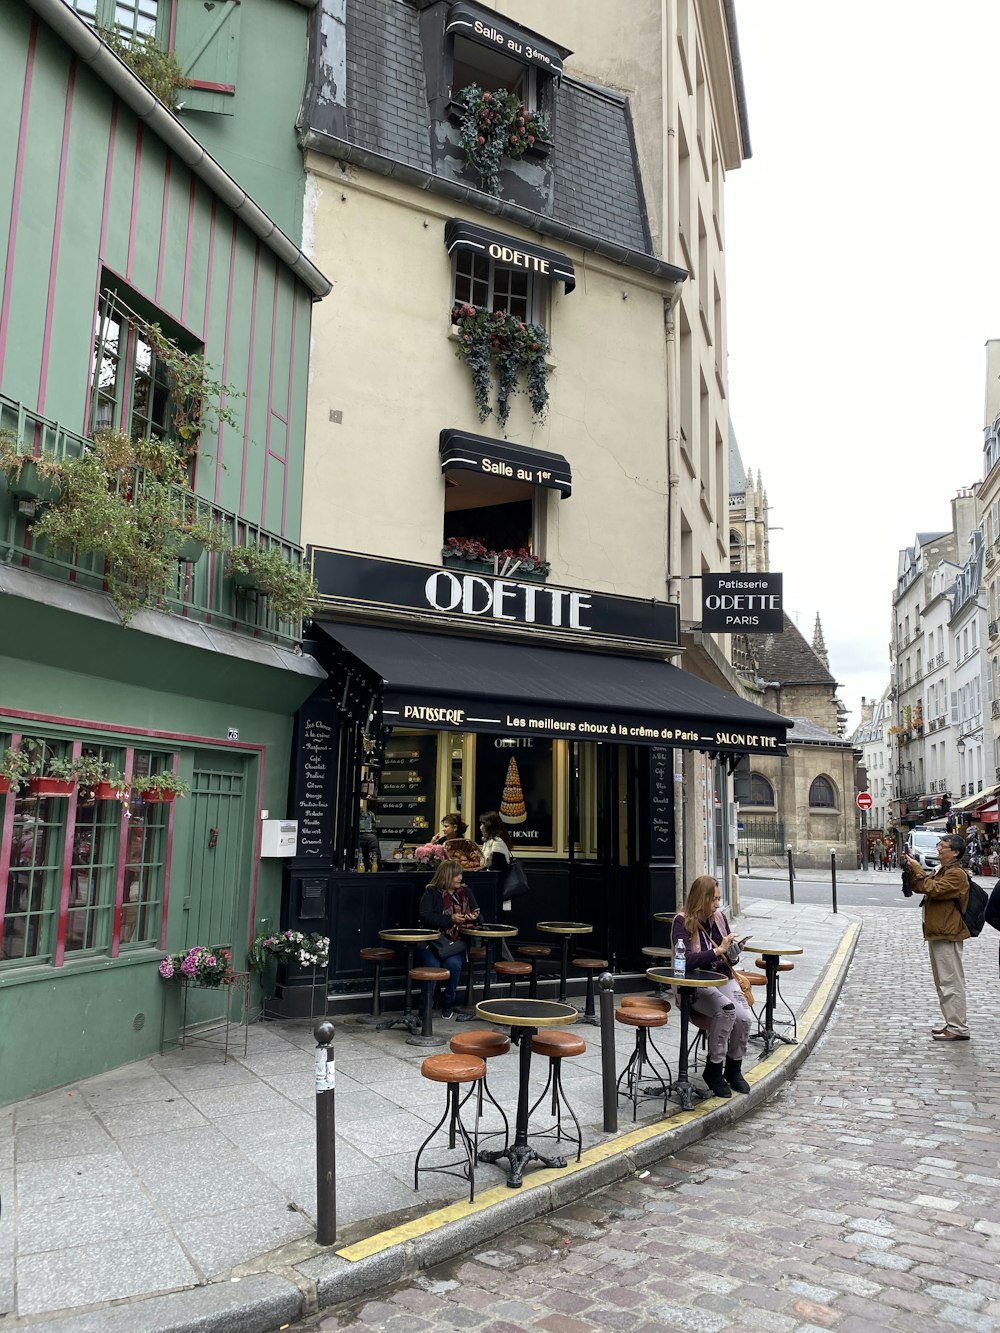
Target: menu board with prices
314,777
404,809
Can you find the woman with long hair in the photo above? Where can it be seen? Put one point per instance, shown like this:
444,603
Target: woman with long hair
496,847
447,905
712,946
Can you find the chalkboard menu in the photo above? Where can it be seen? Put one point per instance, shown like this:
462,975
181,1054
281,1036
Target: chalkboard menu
661,803
404,809
315,774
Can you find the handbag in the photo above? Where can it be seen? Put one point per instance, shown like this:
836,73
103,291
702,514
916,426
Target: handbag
745,986
513,884
446,948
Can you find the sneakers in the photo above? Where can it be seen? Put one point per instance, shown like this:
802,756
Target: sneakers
446,1011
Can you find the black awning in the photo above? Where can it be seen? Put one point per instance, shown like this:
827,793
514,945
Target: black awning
496,458
510,251
509,39
501,688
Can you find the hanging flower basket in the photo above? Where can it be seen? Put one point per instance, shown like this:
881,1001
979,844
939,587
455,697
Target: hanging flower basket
41,786
158,796
189,550
32,485
107,791
242,578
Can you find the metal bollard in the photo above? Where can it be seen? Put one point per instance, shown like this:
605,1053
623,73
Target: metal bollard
747,855
606,983
791,874
326,1137
833,875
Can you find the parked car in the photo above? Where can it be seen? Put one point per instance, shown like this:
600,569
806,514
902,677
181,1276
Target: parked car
922,846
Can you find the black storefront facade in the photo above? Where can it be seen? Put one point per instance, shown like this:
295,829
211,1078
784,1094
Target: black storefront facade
474,689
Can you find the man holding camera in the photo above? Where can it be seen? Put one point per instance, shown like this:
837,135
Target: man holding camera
946,896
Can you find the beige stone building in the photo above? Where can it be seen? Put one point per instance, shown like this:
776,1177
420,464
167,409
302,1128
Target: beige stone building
605,239
989,510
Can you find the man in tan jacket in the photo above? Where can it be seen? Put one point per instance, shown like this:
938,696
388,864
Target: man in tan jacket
946,896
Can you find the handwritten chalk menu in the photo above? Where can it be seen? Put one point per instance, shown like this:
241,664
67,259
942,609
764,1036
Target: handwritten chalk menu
315,775
404,809
661,803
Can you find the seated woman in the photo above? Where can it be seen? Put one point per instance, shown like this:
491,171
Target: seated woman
708,939
452,826
446,906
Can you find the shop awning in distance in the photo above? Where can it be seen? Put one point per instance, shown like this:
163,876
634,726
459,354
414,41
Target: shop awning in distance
510,251
448,683
973,802
497,458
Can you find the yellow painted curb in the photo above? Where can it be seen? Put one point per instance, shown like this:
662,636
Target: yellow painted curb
385,1240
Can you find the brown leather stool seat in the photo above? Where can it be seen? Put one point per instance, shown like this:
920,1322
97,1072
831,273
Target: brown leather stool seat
536,953
645,1002
591,966
378,955
512,972
782,967
427,976
756,978
478,952
646,1061
487,1045
558,1046
453,1070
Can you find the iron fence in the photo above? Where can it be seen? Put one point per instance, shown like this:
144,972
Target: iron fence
761,835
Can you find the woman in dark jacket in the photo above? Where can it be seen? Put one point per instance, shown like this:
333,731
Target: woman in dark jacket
708,940
447,905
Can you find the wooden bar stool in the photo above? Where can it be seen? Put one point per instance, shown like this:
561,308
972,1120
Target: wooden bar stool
377,955
427,976
512,972
590,966
558,1046
485,1044
642,1058
645,1002
790,1022
453,1070
475,955
534,954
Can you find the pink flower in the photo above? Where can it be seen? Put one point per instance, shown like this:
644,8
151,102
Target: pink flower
531,138
513,138
166,968
480,139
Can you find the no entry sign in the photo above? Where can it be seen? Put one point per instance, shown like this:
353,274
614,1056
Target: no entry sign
864,800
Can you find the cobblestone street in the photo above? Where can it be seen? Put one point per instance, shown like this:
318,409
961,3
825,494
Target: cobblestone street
866,1196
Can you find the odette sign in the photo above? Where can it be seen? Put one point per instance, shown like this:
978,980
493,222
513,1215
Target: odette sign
741,603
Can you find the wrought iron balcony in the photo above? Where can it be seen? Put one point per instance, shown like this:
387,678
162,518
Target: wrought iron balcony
202,592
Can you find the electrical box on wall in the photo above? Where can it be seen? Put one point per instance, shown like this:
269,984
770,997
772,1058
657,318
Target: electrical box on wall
279,837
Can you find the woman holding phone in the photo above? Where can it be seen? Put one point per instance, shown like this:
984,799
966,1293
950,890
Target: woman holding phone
713,947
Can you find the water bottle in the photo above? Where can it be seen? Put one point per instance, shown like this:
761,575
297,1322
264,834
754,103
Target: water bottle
680,958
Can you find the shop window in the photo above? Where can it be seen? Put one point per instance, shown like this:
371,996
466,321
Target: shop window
34,879
498,515
129,390
760,791
735,552
491,70
488,285
822,795
93,874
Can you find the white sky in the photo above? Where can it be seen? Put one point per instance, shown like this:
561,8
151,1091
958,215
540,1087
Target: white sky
863,240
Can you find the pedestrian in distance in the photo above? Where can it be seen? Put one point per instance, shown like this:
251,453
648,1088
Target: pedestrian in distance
945,898
712,946
877,851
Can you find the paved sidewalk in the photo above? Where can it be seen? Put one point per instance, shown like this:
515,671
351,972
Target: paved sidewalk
178,1193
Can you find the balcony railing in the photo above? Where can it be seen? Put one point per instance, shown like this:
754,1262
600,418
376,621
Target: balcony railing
202,591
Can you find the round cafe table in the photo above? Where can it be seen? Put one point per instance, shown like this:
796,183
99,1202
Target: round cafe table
686,983
772,955
529,1016
566,929
411,936
489,932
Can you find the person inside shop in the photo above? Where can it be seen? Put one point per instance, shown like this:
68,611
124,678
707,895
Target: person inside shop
447,905
712,946
452,826
945,898
496,848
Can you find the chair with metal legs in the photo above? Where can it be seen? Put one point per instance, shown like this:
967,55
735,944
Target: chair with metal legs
558,1046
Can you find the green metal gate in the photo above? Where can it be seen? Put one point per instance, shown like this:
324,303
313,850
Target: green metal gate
761,835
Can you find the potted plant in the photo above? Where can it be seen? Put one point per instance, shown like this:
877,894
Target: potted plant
523,564
487,338
33,482
99,779
208,967
52,777
193,536
471,555
495,125
290,589
475,556
13,770
160,788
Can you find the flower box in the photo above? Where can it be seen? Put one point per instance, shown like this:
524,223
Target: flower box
107,791
4,786
34,486
40,786
484,567
189,550
158,797
245,580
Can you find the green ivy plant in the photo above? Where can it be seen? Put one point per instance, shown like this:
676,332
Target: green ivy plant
485,338
159,70
290,590
493,126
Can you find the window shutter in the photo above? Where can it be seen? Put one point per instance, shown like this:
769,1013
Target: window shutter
207,44
954,705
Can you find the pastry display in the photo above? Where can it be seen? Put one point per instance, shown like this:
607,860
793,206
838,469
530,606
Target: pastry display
512,807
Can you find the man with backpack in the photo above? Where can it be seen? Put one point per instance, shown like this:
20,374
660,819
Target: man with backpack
946,899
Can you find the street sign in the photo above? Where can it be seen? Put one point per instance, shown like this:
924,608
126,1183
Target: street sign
863,800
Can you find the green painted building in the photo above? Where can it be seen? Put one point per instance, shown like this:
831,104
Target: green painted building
120,235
